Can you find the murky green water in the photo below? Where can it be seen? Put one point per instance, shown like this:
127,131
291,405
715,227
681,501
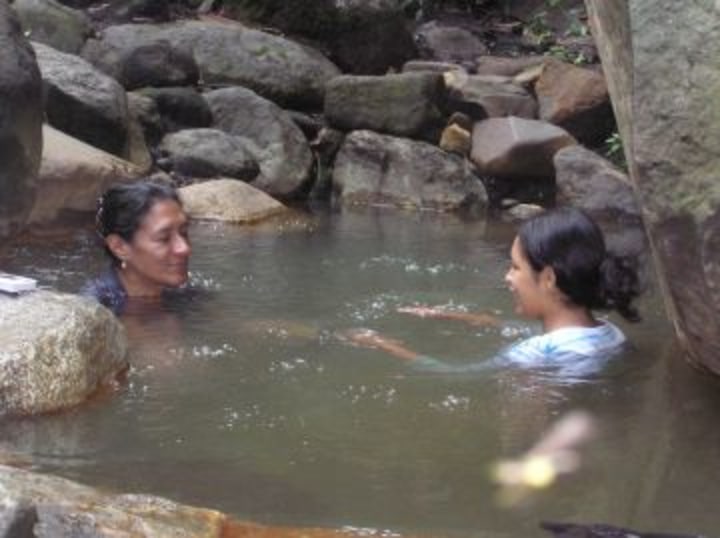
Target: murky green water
246,402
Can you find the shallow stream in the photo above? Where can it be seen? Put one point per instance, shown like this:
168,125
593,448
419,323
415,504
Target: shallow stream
245,400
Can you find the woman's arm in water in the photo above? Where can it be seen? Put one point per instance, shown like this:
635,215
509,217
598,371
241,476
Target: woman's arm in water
374,340
473,318
396,348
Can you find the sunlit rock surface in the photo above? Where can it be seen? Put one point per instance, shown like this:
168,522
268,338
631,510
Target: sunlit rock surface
229,200
55,351
662,63
73,175
21,116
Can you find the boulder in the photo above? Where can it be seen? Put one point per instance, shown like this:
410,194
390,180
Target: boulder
73,175
51,23
21,116
445,43
65,509
371,38
517,148
363,37
157,65
227,53
590,182
671,135
577,100
487,96
83,102
200,153
375,169
229,200
57,350
407,104
276,142
179,108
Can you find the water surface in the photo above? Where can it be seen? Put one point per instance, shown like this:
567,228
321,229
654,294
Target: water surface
244,400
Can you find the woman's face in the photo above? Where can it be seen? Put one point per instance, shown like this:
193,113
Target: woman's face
159,252
525,285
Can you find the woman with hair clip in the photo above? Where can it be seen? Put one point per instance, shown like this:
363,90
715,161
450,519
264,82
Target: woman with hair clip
560,272
145,234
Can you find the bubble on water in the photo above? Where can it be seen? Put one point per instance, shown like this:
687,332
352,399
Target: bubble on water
357,393
369,531
452,403
200,281
208,352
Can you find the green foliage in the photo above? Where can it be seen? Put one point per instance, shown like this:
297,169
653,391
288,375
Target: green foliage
538,31
614,150
565,54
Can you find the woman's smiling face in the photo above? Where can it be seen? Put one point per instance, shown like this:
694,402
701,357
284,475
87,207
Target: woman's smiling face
159,252
525,284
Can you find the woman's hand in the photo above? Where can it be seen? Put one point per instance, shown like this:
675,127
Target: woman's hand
368,338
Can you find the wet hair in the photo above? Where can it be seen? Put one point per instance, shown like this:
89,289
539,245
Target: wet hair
121,208
572,244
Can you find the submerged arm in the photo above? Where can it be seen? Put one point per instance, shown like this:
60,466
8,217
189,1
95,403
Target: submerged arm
374,340
473,318
396,348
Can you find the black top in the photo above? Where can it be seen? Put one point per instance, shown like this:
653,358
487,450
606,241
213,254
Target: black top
107,289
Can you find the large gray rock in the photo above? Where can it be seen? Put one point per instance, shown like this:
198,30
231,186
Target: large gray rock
226,54
671,132
157,65
51,23
517,148
56,351
83,102
586,180
403,105
375,169
208,153
278,145
179,108
21,116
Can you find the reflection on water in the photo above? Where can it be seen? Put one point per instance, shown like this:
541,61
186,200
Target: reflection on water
242,399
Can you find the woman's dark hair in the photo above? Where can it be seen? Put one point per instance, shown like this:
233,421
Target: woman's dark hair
121,208
569,241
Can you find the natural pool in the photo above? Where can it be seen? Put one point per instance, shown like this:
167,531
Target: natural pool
245,402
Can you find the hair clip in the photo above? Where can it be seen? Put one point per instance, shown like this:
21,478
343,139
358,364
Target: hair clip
99,225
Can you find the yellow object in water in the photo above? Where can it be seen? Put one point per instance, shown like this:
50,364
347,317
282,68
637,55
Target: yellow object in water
538,472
